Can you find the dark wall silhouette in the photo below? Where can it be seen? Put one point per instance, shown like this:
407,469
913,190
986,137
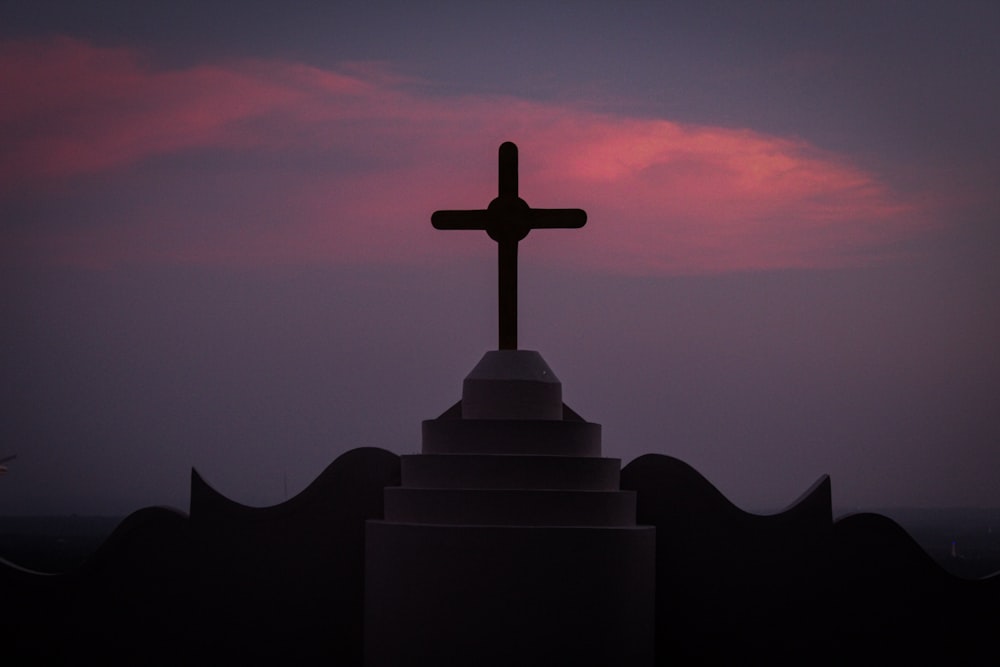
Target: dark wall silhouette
797,588
231,584
228,585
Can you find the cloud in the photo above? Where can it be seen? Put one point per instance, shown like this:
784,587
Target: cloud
262,162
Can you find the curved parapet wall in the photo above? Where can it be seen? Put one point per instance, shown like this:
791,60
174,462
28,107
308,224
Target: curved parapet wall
147,533
131,594
352,473
281,584
899,597
795,587
229,584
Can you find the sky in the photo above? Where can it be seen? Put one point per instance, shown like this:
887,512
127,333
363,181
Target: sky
216,250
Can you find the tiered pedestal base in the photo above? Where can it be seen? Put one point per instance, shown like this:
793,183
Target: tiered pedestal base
510,540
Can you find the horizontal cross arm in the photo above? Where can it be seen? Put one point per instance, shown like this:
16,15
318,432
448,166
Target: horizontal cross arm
557,218
459,219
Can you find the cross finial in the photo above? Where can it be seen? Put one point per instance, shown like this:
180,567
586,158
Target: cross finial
507,220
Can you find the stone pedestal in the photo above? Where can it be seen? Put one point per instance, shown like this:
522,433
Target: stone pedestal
509,540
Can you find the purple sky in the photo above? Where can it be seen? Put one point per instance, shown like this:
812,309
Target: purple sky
216,250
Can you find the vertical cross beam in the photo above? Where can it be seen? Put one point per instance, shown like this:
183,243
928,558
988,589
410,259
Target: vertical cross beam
507,239
507,220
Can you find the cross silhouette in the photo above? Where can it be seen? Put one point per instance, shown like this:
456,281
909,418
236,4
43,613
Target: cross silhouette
507,220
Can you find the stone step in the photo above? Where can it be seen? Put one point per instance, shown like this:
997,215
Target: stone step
493,471
511,436
510,507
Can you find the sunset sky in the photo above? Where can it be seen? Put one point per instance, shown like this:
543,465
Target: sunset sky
216,249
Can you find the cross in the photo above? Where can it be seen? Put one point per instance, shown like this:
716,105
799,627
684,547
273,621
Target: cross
507,220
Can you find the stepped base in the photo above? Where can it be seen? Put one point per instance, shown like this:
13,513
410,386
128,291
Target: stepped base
510,436
510,507
499,471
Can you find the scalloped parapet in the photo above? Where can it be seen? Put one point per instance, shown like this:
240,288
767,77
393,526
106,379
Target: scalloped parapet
796,587
168,588
731,587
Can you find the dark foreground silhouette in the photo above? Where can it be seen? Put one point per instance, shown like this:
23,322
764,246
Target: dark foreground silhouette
284,584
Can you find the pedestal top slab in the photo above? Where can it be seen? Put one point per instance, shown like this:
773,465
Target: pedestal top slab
526,365
512,384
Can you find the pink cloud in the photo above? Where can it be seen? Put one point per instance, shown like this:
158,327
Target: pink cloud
346,166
